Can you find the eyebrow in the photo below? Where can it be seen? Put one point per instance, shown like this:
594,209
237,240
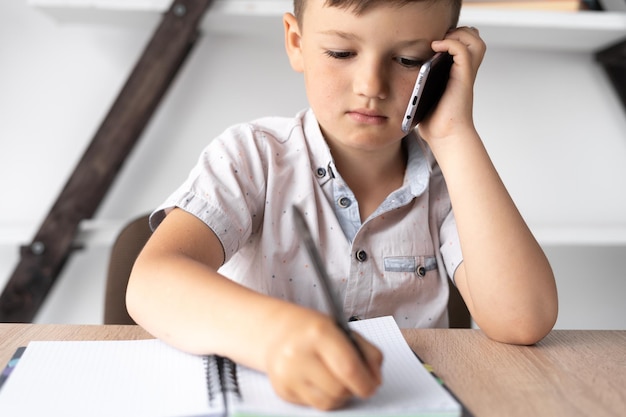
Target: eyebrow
353,37
340,33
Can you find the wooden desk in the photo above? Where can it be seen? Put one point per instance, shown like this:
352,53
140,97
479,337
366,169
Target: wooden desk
569,373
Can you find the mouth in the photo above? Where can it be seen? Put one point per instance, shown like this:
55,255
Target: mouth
366,116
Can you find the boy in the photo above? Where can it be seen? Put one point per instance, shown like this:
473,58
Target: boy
376,200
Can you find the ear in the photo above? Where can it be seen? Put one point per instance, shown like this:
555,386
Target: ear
293,42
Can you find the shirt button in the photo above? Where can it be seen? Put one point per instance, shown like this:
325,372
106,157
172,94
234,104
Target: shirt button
361,255
344,202
421,271
320,172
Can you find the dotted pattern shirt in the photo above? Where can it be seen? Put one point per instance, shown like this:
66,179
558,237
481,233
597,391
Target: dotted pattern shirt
396,262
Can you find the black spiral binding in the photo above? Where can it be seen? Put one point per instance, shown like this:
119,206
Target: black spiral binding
228,376
212,373
221,379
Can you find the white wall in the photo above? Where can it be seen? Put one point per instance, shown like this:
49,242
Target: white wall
551,122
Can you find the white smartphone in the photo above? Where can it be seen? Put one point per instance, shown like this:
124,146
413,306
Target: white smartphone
429,87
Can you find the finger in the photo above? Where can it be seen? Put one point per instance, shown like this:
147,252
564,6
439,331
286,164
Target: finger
469,37
470,29
312,396
373,357
316,387
463,31
467,59
323,391
306,378
361,378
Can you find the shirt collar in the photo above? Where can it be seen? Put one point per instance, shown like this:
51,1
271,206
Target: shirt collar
319,152
418,168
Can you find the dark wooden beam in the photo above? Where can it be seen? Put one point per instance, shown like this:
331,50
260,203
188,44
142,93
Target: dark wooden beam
613,59
43,259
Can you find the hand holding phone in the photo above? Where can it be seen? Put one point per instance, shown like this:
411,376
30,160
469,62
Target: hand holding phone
429,87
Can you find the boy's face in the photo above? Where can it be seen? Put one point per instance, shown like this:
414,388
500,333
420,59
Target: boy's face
359,70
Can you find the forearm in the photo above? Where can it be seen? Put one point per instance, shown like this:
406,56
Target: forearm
190,306
506,279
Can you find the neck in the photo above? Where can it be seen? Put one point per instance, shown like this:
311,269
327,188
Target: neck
371,175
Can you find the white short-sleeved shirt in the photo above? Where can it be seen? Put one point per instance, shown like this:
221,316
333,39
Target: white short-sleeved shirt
395,263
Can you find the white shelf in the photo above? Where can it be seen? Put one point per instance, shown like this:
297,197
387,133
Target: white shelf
98,233
581,236
237,7
90,233
575,31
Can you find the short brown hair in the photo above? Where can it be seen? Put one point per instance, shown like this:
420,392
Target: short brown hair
360,6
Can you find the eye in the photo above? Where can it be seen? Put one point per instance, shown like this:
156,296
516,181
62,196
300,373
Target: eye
409,62
339,54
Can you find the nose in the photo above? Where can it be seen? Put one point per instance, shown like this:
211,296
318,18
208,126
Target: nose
370,80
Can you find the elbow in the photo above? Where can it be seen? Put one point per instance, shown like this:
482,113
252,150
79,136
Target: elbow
525,319
526,330
131,301
135,296
521,335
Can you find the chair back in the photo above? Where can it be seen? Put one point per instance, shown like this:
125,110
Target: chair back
125,250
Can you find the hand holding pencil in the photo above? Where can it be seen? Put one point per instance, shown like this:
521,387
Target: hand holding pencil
310,361
317,360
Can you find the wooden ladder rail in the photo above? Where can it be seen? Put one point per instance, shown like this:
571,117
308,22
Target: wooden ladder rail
43,259
613,59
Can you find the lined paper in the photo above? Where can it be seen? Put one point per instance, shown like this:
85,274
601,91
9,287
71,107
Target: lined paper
105,378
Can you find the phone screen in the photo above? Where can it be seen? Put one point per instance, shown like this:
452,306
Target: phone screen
429,87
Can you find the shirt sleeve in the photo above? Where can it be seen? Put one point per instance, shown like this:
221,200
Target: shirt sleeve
450,245
225,189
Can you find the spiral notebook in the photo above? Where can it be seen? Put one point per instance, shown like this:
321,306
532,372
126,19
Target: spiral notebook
149,378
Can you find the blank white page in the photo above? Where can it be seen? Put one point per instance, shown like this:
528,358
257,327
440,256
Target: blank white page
106,378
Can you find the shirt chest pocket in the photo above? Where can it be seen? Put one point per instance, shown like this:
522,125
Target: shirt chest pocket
419,265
